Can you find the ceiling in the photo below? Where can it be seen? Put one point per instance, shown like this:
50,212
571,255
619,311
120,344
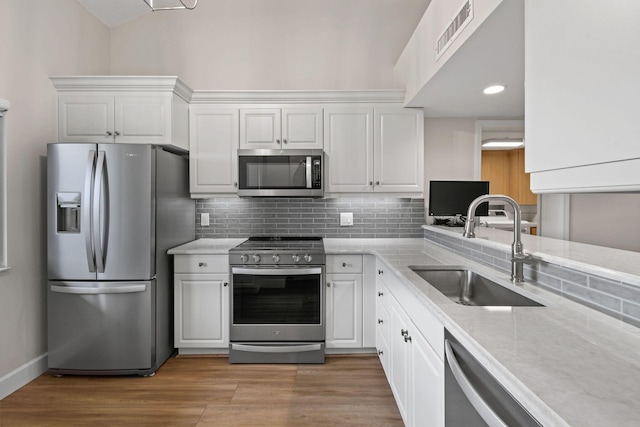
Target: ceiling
113,13
494,54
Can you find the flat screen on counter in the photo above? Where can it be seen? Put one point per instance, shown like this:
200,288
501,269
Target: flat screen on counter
452,198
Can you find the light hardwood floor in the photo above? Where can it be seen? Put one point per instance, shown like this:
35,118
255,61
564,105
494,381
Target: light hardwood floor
207,391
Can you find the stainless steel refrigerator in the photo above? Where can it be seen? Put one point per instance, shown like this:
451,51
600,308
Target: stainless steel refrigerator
113,212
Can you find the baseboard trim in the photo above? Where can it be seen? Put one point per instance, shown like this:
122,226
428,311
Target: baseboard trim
23,375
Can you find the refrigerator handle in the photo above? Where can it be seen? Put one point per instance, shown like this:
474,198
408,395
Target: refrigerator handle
97,196
86,212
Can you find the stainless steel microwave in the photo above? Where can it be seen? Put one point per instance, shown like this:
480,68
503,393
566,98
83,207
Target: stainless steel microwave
280,173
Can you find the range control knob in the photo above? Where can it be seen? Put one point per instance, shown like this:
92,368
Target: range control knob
307,258
244,258
295,258
276,258
256,258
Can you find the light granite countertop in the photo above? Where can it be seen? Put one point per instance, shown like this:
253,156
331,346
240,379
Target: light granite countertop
568,364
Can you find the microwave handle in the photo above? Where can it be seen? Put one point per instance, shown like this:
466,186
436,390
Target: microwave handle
309,183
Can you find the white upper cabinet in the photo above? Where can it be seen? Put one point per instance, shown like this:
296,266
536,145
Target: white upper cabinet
374,150
276,128
582,91
138,110
213,150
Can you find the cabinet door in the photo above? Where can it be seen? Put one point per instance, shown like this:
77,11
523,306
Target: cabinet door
302,128
213,146
398,150
143,119
344,311
348,144
85,118
426,385
400,360
260,128
201,304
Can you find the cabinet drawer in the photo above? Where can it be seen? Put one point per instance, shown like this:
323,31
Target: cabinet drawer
344,264
201,264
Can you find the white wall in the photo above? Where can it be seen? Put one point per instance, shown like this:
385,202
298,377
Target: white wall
40,38
449,151
609,220
283,44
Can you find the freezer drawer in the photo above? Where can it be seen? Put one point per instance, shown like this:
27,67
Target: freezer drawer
101,327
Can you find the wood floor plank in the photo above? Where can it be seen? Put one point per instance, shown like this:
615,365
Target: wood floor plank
203,392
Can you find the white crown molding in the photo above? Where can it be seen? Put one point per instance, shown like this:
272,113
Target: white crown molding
123,83
296,96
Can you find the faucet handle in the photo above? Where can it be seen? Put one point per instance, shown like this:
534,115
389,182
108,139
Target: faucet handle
523,258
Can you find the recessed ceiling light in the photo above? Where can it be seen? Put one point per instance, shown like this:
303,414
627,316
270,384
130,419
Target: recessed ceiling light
491,90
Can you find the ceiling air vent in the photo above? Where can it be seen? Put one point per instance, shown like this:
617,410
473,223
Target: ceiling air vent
459,21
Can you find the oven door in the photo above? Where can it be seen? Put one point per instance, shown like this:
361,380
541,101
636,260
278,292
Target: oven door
277,304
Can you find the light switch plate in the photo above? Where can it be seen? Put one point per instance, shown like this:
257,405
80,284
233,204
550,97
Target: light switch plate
346,219
204,219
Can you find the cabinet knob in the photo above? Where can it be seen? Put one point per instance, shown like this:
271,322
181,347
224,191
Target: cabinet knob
380,294
202,264
277,141
377,182
380,321
404,332
370,182
235,184
116,133
225,284
328,284
344,264
407,338
380,352
109,133
380,272
285,141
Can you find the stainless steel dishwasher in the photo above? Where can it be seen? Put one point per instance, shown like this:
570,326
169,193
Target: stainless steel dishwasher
473,397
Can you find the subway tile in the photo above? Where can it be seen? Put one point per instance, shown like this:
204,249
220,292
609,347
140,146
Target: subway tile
592,296
563,273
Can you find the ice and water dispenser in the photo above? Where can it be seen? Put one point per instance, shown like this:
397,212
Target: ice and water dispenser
68,212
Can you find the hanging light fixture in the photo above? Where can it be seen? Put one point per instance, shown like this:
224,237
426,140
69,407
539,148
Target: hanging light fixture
153,4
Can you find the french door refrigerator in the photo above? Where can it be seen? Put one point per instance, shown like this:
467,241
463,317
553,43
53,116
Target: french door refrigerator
113,212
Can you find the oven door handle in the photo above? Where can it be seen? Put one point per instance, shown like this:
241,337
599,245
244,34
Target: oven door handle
276,271
276,348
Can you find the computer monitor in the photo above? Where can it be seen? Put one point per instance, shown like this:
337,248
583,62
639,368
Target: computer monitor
452,198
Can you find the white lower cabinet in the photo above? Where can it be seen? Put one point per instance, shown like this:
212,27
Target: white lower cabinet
201,303
415,371
344,311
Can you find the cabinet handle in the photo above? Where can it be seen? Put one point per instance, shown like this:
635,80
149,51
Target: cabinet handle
225,284
380,294
109,133
380,272
202,264
407,338
404,332
380,352
116,133
328,284
380,321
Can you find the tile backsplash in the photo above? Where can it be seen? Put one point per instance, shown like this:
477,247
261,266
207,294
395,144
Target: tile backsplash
372,217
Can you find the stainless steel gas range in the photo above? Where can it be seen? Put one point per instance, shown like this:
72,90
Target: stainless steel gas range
277,300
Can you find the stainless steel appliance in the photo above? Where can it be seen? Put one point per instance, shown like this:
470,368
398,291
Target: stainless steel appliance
280,173
277,300
113,212
473,397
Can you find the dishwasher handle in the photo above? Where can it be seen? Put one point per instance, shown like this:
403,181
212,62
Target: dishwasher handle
479,404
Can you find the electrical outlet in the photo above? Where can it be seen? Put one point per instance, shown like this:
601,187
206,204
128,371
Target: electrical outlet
346,219
204,219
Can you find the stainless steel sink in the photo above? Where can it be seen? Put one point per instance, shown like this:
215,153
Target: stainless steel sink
466,287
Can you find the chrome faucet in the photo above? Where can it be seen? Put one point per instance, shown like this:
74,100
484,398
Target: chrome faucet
518,257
